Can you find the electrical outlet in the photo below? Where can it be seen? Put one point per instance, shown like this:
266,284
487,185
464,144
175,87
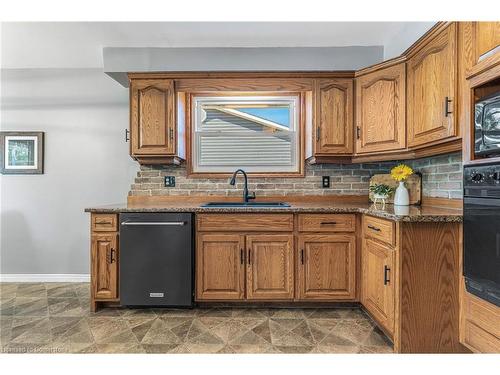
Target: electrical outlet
325,182
169,181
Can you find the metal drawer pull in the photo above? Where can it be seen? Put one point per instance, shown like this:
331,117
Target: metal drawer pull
147,223
386,275
328,223
447,111
374,228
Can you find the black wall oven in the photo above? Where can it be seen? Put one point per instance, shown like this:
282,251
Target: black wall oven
482,231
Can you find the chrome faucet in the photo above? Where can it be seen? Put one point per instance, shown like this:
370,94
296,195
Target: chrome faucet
246,195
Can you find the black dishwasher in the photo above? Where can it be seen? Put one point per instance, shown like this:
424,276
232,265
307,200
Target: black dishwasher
156,259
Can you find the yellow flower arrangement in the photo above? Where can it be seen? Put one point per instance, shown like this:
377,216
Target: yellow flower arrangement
401,172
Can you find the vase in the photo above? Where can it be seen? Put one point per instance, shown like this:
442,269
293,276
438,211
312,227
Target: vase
401,198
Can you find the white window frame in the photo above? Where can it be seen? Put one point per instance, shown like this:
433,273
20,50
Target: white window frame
291,100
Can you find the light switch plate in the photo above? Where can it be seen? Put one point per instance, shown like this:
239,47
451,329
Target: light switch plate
325,181
169,181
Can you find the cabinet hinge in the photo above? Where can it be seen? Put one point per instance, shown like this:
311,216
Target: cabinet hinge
171,134
358,132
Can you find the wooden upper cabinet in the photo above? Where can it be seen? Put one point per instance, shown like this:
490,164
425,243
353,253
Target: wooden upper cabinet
377,284
104,264
270,266
333,116
152,117
381,110
432,80
220,268
486,38
327,267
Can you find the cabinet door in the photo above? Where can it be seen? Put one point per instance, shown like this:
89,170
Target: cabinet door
327,267
104,263
220,268
431,90
380,110
270,266
486,38
377,284
333,117
152,106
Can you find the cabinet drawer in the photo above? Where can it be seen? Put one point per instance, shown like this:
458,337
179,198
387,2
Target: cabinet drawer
104,223
480,340
379,229
482,314
245,222
326,223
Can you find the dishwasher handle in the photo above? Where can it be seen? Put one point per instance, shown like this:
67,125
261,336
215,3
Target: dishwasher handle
155,223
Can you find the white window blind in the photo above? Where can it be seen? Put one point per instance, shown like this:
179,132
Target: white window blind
256,133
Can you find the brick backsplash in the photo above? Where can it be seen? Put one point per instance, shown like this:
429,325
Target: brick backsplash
441,176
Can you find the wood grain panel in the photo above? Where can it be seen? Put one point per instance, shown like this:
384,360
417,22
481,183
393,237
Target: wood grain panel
381,110
220,268
269,267
245,222
326,223
377,282
104,222
379,229
327,267
333,117
104,266
429,281
480,325
244,84
152,117
486,37
431,79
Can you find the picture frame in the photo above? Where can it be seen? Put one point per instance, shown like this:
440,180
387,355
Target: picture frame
21,152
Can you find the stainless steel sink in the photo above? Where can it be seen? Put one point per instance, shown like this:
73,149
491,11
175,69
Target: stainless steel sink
247,204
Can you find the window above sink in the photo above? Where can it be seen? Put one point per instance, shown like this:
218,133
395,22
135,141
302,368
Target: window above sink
259,133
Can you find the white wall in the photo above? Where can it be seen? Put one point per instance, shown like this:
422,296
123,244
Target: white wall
407,35
83,113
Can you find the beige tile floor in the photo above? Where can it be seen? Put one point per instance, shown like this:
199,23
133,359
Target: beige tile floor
55,318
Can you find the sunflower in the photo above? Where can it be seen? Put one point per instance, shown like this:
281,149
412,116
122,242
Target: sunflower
401,172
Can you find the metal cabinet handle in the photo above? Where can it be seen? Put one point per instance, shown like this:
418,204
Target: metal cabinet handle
374,228
302,256
447,102
111,257
171,133
147,223
386,275
318,134
358,132
127,132
241,256
328,223
249,257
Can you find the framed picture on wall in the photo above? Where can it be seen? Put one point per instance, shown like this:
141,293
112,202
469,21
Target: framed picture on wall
21,152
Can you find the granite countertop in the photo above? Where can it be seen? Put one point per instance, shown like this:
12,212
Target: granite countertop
389,211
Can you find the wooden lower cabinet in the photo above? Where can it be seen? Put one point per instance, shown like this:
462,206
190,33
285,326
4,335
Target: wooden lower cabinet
104,264
327,267
220,266
377,292
270,266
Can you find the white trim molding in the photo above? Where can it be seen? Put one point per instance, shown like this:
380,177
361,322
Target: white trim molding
44,278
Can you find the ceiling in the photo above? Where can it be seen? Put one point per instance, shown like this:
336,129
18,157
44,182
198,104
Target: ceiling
79,44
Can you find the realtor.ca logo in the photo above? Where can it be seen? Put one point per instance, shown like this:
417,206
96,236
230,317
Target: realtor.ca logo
156,295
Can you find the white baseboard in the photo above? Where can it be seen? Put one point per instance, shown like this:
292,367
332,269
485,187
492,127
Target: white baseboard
44,278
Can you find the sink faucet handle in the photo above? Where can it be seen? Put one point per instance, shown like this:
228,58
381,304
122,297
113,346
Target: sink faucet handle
251,195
